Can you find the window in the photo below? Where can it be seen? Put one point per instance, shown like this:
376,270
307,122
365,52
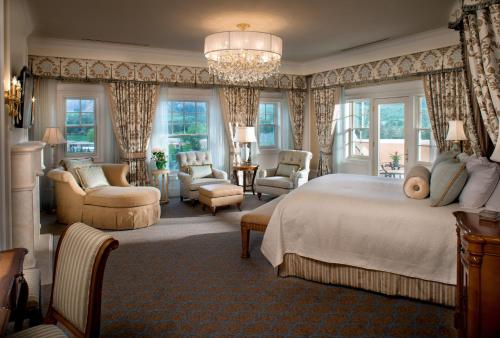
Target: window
187,123
268,125
79,125
426,147
359,128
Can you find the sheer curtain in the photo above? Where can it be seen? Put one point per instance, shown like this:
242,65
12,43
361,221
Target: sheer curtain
218,145
45,115
217,141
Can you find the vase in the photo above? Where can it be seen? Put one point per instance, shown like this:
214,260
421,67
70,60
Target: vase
161,165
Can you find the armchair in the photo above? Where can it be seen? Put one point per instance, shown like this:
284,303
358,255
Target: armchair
291,173
188,184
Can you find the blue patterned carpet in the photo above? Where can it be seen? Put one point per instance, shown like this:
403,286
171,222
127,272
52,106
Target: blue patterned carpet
185,277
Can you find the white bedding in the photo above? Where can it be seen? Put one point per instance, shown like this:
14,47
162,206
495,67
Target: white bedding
366,222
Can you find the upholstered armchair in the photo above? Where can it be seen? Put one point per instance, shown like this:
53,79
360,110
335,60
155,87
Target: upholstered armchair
292,171
191,181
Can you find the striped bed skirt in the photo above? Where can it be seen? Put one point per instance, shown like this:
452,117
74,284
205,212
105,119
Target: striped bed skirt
372,280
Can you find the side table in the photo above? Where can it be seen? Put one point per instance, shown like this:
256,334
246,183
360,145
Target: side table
160,180
246,168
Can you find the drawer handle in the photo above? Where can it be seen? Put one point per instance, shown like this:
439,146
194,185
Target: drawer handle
462,250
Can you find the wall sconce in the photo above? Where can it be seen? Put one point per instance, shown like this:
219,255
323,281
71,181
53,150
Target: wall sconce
13,98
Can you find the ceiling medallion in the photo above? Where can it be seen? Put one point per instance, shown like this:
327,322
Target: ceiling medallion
243,56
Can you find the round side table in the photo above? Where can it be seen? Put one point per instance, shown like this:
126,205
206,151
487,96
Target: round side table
160,180
246,168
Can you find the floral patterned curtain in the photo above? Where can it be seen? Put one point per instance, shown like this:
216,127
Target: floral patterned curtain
447,99
296,102
239,106
132,109
324,106
481,36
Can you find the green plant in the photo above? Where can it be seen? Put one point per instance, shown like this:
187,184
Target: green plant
396,158
159,158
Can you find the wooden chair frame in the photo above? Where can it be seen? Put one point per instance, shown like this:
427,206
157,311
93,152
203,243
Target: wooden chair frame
93,326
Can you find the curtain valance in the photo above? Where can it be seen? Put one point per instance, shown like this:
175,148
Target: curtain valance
100,70
434,60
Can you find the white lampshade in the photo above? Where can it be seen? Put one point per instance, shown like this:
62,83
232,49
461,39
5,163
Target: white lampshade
53,136
245,134
456,131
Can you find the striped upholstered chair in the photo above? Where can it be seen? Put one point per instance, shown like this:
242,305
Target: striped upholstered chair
75,302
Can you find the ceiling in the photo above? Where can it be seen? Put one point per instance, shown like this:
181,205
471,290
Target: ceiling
310,29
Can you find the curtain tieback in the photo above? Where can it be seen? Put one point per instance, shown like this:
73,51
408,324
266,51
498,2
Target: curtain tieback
133,156
327,153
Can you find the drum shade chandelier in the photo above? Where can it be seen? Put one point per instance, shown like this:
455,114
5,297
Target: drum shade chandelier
243,56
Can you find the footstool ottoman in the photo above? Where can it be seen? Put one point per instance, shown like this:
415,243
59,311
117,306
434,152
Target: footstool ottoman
218,195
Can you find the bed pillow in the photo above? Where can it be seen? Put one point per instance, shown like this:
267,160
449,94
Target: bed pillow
200,171
286,170
417,183
441,157
483,178
447,181
71,164
494,201
92,177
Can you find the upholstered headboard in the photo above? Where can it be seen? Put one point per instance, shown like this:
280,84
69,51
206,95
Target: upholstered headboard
188,158
300,157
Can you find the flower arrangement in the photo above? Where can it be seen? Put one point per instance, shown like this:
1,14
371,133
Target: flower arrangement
159,158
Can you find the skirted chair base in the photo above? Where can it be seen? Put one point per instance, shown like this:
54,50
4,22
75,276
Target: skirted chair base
121,218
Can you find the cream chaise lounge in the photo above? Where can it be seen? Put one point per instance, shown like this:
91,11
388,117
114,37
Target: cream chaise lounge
117,206
292,171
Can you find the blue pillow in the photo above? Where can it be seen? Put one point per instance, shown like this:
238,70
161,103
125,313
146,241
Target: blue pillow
200,171
447,181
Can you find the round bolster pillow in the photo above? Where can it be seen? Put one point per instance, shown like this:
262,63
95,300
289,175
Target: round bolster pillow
417,184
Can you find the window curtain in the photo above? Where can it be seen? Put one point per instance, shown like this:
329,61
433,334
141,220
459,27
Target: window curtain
218,142
239,107
45,115
448,99
324,106
296,110
481,37
132,110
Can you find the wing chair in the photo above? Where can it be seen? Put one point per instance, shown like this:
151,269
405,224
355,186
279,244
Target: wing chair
292,171
190,183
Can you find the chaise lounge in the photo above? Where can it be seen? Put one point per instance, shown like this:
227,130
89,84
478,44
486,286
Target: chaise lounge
117,206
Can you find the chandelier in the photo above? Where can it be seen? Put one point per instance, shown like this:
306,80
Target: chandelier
243,56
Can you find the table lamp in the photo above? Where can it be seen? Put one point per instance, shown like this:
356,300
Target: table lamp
456,134
53,137
246,135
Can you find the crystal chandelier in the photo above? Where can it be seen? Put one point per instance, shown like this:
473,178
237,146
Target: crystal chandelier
243,56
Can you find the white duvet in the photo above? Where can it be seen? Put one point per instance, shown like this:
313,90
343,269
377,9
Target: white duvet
366,222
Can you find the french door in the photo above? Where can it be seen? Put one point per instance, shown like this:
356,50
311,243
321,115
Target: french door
392,123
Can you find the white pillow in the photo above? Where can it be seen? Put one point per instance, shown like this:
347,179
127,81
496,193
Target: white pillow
494,201
483,178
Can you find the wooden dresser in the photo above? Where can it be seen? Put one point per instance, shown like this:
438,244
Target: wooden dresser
477,311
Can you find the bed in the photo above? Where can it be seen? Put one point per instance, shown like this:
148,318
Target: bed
363,232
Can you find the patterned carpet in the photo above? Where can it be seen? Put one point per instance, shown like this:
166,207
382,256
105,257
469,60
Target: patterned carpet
185,277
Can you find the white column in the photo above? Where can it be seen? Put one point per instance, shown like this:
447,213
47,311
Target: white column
26,167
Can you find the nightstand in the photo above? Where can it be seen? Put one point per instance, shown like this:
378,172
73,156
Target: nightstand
477,309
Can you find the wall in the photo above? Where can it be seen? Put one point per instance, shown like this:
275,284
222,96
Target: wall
16,26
